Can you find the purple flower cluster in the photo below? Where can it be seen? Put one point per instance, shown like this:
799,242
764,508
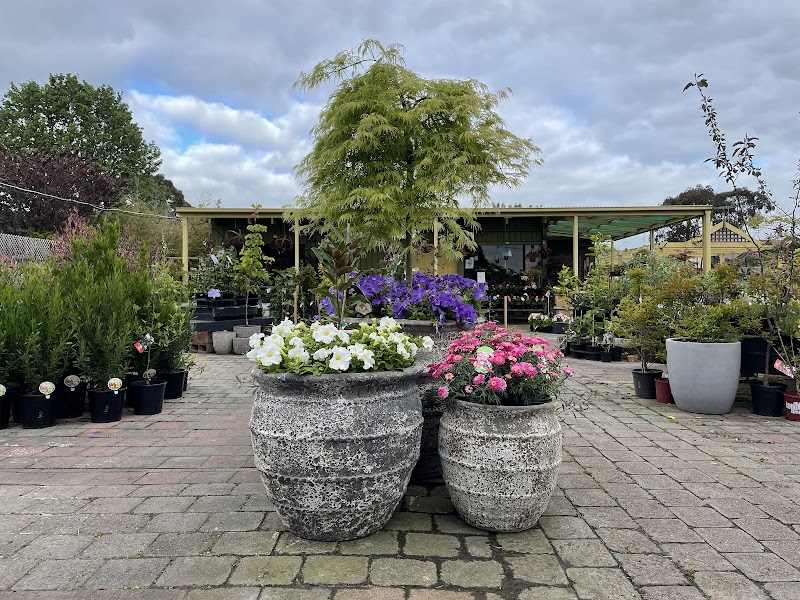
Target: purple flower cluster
441,297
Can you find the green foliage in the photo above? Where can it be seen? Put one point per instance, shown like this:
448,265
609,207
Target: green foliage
394,152
101,304
250,276
736,207
45,346
166,316
93,122
713,323
281,293
641,322
215,271
338,256
568,283
12,327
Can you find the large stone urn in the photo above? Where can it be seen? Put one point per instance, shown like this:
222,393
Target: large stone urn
500,463
704,377
335,452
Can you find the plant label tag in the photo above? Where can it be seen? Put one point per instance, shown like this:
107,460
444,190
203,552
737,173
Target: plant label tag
72,381
149,374
47,388
784,368
114,384
139,347
2,390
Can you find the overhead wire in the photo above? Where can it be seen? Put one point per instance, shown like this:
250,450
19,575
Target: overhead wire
94,206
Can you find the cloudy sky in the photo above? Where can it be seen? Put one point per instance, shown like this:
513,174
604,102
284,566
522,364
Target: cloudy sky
597,84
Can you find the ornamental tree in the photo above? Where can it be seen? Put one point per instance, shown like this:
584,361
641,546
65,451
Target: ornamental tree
92,122
249,273
394,152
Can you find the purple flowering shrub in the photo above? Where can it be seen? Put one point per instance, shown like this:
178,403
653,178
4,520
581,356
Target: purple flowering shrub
431,298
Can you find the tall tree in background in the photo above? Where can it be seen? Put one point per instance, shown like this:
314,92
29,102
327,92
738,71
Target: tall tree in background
92,122
60,174
735,207
394,151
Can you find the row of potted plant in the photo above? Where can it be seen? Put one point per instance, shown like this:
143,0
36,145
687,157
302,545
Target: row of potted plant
85,319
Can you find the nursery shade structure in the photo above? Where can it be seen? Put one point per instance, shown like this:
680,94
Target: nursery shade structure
577,223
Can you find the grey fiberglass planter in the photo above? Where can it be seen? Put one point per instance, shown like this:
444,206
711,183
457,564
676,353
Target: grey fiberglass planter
704,377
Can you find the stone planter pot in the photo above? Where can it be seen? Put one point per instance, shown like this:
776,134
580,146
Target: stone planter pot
500,463
245,331
223,341
335,452
704,377
241,345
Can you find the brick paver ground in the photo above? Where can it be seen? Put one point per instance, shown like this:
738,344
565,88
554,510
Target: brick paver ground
652,503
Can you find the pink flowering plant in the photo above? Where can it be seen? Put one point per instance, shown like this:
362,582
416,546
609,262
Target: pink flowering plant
491,365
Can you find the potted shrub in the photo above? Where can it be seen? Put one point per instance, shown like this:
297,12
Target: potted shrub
500,441
607,345
105,318
171,352
639,318
45,346
704,355
336,422
11,326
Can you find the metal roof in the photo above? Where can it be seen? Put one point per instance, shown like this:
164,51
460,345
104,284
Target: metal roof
617,222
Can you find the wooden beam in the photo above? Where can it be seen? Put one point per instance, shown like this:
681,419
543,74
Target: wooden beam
707,241
185,248
575,252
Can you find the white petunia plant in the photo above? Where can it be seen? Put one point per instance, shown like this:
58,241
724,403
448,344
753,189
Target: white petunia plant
319,348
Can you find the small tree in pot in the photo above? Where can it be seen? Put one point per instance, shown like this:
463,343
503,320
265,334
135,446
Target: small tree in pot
640,319
250,275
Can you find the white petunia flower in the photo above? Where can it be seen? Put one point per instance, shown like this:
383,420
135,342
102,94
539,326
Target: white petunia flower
387,323
283,328
402,351
427,342
270,355
414,348
325,334
343,336
274,338
396,337
296,342
255,339
322,354
340,359
368,358
299,352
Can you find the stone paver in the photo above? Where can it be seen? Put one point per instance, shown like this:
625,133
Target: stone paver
652,503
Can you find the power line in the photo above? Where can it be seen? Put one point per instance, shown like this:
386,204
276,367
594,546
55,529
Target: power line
94,206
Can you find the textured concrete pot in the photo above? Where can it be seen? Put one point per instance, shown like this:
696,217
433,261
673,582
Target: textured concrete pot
335,452
704,377
223,341
241,345
500,463
245,331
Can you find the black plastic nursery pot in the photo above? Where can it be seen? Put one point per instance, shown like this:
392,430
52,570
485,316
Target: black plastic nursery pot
174,387
616,351
105,406
644,383
38,411
16,408
70,402
130,396
768,401
559,327
606,356
592,352
149,397
5,410
185,380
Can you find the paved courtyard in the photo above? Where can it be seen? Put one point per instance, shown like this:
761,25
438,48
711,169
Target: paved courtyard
652,503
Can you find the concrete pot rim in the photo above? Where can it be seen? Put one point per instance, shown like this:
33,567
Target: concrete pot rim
363,378
502,408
